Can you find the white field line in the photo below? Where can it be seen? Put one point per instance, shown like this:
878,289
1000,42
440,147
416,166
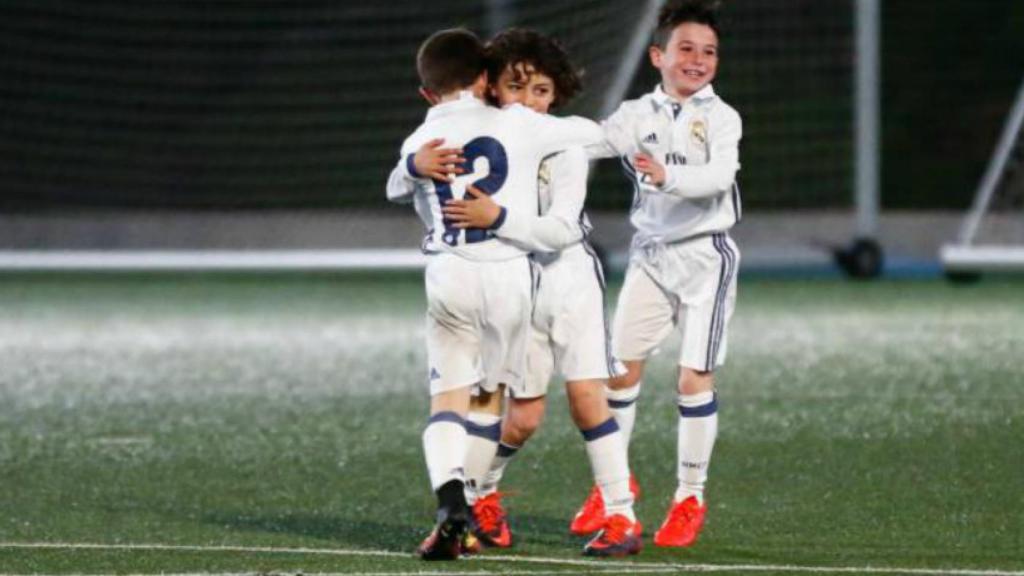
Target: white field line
597,565
566,572
573,572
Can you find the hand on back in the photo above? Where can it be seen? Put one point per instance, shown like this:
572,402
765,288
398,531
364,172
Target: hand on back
439,163
480,212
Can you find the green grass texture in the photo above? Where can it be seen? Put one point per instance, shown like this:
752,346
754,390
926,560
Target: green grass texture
271,424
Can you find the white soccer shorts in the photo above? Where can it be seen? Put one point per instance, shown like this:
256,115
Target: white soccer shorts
570,327
478,320
690,285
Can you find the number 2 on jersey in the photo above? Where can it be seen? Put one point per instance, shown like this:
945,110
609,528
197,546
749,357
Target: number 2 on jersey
497,161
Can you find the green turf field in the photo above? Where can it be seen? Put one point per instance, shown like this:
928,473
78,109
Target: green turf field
271,424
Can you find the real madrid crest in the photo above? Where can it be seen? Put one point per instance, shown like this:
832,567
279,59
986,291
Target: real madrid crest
544,174
698,132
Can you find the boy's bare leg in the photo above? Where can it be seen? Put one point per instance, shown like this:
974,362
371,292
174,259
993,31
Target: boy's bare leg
523,417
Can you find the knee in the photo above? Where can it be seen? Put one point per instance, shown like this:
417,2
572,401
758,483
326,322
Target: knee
634,372
522,420
694,381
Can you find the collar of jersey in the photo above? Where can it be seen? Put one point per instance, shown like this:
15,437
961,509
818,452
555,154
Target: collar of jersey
465,101
703,95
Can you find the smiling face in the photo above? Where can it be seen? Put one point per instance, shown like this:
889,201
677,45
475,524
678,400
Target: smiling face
688,61
522,84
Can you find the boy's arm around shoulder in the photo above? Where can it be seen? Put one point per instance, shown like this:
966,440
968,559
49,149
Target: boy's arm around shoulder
719,173
617,134
553,133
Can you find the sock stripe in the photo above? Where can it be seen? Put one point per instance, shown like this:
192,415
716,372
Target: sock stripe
447,416
623,398
506,450
699,411
609,426
619,404
490,432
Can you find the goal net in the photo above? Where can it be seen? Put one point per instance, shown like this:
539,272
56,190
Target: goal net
302,104
186,111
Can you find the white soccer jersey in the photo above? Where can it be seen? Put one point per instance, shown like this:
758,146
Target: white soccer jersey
558,221
503,149
570,330
698,143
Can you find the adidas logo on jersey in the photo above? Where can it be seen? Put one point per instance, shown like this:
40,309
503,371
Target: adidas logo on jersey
651,138
434,374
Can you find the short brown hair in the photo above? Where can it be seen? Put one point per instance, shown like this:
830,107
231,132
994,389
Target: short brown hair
673,14
450,60
545,54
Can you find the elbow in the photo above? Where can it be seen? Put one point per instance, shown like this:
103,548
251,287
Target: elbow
400,197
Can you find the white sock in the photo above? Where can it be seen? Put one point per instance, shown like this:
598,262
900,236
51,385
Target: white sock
484,431
504,453
698,426
444,443
611,471
622,403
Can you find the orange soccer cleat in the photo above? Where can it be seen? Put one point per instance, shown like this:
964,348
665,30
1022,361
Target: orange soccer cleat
682,524
619,536
590,517
490,524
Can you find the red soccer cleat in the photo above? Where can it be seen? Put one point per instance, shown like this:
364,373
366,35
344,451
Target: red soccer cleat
490,524
590,517
682,524
618,537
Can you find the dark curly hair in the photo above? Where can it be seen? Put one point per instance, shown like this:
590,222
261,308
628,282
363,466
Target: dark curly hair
673,14
545,54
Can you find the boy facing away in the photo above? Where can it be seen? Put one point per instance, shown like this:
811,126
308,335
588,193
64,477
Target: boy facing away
478,285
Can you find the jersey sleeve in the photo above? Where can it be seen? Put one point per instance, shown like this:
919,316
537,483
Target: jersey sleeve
560,226
553,134
718,175
403,180
401,185
617,136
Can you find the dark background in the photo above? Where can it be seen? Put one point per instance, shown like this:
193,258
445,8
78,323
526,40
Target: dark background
303,104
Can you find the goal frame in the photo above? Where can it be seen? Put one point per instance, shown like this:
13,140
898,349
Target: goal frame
965,256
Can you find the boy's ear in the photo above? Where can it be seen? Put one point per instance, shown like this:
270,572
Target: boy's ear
655,54
429,96
480,84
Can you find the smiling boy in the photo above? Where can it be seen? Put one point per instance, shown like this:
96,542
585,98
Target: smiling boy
679,146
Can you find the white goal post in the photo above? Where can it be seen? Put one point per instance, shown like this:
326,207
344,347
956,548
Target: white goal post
968,255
